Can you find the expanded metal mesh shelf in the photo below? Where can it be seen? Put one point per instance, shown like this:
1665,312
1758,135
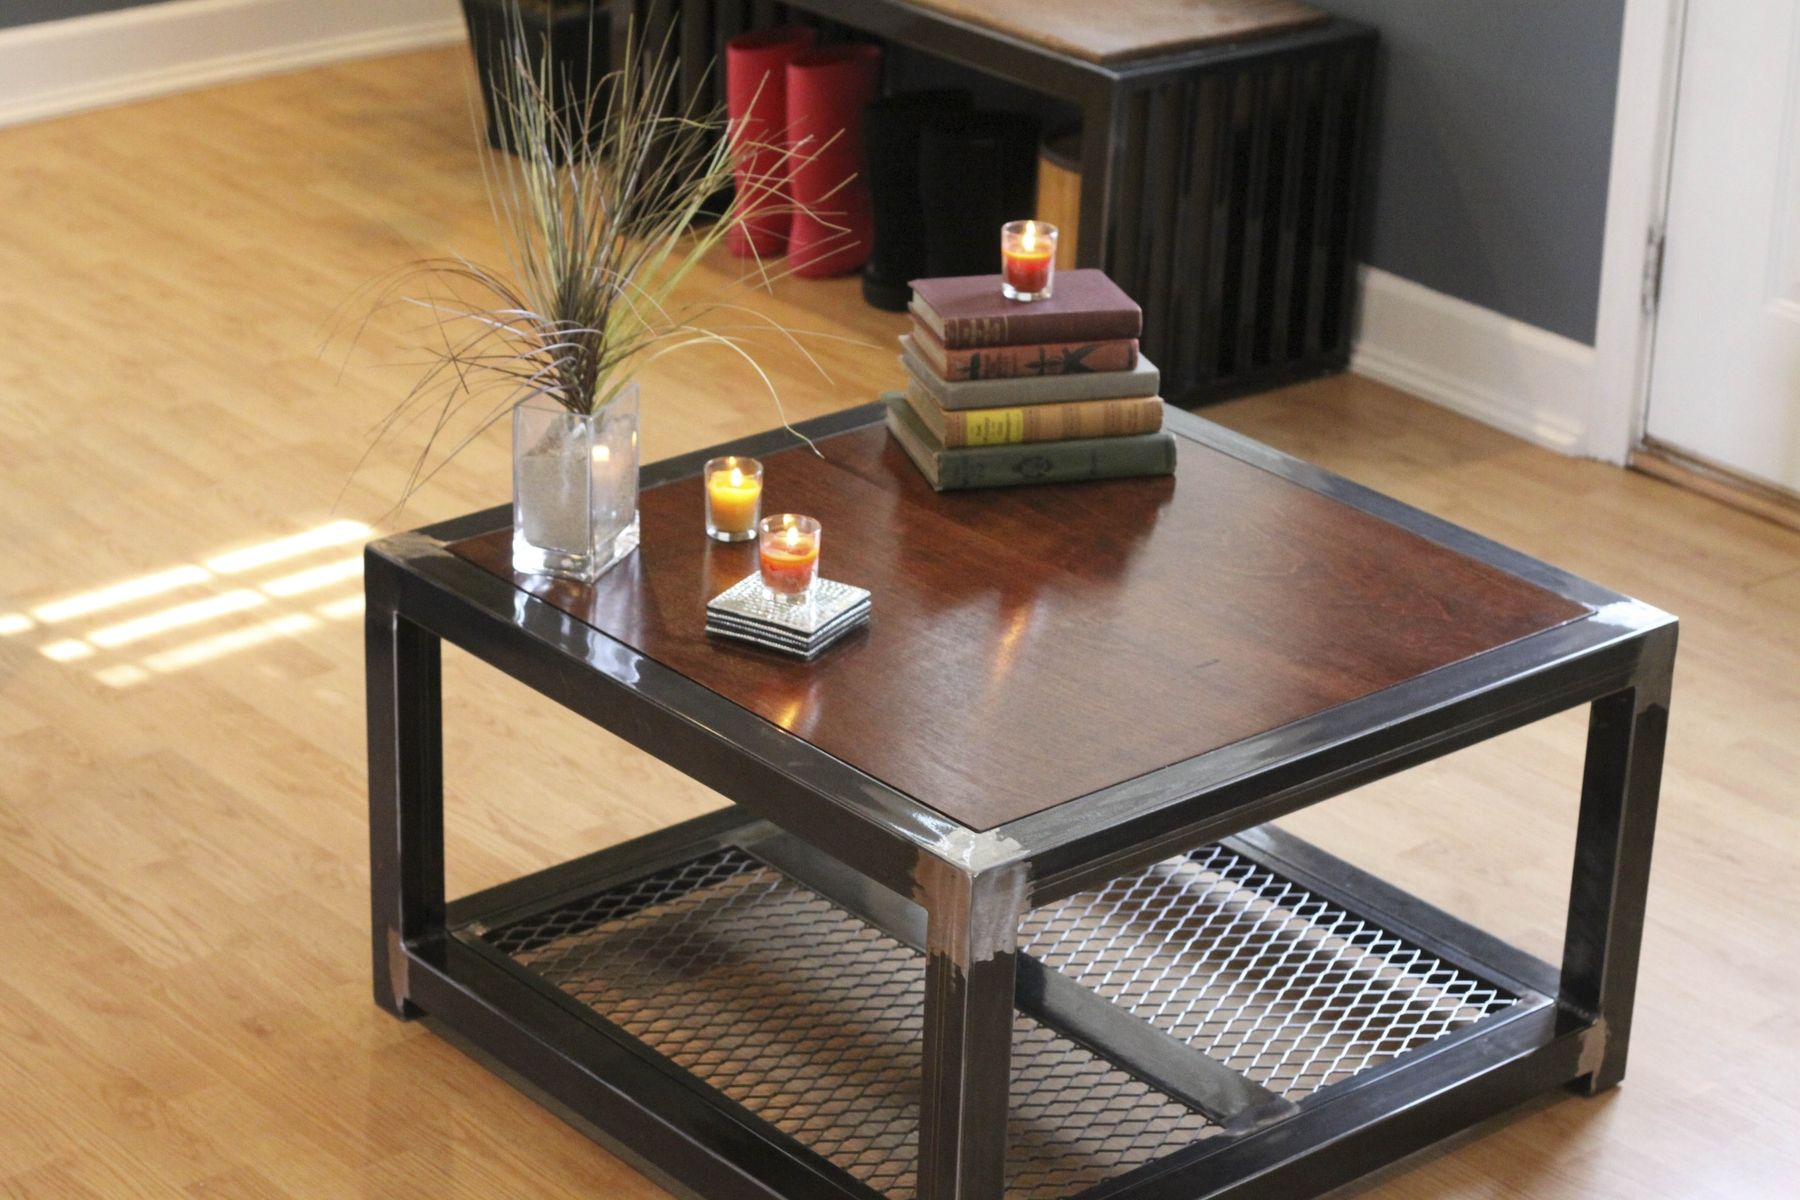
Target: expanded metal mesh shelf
1257,971
810,1018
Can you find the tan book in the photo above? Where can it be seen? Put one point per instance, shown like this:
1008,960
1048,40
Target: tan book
1036,462
1034,422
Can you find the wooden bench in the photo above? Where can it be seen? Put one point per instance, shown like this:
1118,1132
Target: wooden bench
1222,153
1123,31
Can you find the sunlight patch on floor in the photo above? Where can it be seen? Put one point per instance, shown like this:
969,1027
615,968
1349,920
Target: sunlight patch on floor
119,594
338,610
221,644
262,554
122,629
314,578
194,612
66,650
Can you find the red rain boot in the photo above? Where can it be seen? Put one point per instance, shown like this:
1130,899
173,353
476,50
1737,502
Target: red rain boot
827,90
756,101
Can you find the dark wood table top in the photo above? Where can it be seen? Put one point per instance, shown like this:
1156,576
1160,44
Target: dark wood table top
1033,645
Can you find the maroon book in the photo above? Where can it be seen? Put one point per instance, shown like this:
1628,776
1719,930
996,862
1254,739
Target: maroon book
968,311
1023,362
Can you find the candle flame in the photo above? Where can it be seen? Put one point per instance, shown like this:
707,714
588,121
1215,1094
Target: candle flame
737,477
1029,241
793,538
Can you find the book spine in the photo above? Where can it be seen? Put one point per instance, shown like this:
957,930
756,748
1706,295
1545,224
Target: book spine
929,412
1056,462
1141,380
905,428
1032,362
1052,422
967,333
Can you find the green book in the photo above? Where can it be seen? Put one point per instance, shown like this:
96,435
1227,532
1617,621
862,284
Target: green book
1029,462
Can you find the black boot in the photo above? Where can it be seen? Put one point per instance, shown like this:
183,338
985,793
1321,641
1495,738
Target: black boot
891,129
977,171
577,41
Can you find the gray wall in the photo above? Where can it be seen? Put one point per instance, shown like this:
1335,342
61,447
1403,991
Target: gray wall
1494,137
30,12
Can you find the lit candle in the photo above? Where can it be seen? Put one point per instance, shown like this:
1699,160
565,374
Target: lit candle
733,498
1027,260
789,553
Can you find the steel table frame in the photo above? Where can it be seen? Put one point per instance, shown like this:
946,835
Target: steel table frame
846,830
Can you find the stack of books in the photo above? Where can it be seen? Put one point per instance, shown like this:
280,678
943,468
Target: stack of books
1001,392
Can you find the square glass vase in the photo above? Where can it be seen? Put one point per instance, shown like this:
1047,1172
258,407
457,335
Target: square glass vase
575,486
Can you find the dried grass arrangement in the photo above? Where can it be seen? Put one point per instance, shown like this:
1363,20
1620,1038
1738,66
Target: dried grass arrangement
603,212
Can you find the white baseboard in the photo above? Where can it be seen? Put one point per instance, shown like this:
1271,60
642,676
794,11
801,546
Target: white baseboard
1517,377
58,67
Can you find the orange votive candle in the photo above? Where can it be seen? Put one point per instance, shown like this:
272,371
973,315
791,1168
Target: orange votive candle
1027,259
788,549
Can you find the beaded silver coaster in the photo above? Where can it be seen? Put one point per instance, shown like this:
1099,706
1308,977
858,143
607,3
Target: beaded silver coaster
746,612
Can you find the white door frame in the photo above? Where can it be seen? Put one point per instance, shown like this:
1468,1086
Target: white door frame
1636,202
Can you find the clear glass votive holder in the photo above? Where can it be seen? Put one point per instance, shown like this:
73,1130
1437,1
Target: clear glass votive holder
734,488
1027,260
788,553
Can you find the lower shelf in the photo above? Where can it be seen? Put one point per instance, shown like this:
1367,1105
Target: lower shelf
1257,971
775,998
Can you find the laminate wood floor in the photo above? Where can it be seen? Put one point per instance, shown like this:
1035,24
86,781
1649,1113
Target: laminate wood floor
183,1003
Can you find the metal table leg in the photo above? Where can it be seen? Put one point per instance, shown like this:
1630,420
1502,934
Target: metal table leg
971,955
1620,782
406,788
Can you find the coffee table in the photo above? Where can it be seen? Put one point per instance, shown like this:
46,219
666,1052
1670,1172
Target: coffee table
995,909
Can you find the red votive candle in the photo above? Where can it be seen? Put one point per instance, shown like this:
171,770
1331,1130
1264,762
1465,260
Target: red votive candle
1027,260
788,548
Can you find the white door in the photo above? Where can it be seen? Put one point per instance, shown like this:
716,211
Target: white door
1725,370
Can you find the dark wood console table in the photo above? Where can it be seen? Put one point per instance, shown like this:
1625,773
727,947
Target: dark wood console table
996,909
1223,153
